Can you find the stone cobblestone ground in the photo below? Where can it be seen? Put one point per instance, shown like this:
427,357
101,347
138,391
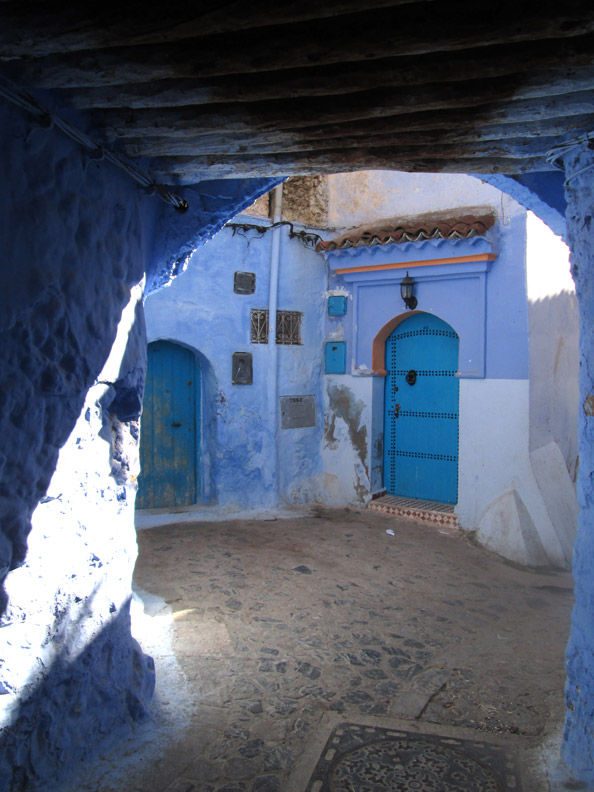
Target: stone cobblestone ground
279,628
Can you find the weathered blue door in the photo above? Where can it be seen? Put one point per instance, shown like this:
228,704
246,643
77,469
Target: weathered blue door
421,410
169,428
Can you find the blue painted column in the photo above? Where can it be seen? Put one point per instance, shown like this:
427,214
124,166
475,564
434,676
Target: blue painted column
578,743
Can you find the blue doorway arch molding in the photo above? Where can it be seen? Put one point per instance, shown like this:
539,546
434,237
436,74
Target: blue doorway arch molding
170,428
421,410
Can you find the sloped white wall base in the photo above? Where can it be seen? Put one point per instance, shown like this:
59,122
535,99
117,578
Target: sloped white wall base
507,529
498,493
558,494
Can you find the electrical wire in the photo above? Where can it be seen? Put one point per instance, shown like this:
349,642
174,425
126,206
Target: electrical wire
13,93
557,153
308,239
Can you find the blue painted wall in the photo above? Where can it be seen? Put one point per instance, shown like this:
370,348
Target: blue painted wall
486,304
542,193
178,234
74,237
453,292
248,465
77,237
579,726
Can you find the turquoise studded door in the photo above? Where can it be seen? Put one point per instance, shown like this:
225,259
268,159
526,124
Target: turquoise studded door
169,428
421,410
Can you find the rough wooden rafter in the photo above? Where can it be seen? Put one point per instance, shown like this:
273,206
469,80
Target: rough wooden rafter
84,27
563,63
545,133
294,45
446,114
192,172
237,88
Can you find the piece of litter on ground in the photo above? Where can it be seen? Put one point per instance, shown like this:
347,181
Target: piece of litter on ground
389,531
303,569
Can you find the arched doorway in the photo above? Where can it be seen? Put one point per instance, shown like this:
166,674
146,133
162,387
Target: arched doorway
169,438
421,410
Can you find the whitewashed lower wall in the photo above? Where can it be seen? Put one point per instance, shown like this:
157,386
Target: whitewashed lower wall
346,442
494,461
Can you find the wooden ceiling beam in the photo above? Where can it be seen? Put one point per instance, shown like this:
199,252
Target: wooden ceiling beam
243,89
190,174
487,105
512,150
278,143
337,41
42,30
564,63
450,120
529,115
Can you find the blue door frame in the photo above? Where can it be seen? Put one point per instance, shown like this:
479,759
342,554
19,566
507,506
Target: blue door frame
421,410
170,428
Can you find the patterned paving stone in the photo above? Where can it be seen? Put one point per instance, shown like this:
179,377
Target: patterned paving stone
370,759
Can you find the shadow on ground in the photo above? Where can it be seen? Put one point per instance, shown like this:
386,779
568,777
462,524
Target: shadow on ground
272,633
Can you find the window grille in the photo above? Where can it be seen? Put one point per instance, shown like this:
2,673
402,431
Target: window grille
288,327
259,326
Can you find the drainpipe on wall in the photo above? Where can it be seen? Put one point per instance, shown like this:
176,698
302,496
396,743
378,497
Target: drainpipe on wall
272,346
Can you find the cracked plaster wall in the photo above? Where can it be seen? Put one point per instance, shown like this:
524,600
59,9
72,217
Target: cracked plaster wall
245,471
345,447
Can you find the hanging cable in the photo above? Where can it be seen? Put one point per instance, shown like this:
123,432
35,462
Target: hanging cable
13,93
308,239
557,153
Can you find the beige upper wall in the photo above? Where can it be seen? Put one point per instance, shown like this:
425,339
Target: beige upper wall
345,200
366,196
305,201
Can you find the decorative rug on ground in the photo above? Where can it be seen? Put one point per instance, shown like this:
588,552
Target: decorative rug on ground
374,759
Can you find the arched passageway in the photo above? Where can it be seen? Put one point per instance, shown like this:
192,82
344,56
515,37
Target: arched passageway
326,92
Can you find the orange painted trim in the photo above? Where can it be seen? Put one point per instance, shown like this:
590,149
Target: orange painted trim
378,348
430,263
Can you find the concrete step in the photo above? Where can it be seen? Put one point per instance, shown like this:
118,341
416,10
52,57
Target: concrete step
423,511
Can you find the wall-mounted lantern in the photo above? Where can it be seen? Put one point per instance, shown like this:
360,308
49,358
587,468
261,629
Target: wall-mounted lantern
406,291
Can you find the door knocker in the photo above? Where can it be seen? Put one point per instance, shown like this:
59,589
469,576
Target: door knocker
411,377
